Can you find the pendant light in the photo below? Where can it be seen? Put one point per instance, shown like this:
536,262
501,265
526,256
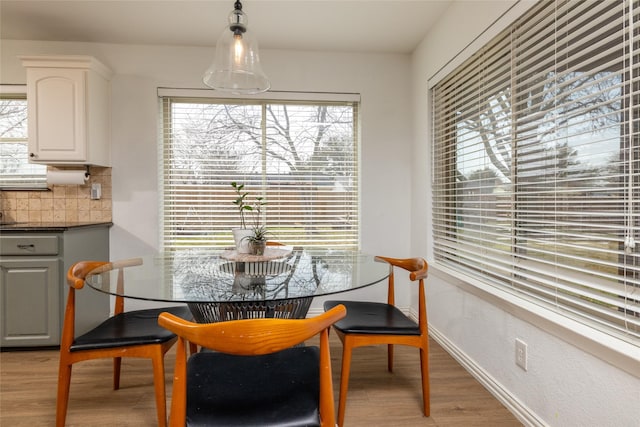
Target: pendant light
236,67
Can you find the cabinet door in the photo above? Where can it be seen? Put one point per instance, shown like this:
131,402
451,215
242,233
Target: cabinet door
29,303
57,114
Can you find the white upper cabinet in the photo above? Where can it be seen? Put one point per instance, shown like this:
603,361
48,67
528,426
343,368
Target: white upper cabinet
68,110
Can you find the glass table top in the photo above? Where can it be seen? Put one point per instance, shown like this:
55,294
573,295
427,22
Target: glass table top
208,276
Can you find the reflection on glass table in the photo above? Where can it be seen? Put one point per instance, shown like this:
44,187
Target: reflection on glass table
222,285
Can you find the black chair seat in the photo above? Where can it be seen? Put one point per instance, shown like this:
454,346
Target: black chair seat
373,318
129,328
279,389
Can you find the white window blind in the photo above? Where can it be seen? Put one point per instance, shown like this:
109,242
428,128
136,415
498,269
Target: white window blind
15,170
300,156
536,162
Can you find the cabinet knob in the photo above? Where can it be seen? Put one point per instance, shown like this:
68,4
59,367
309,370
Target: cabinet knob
32,155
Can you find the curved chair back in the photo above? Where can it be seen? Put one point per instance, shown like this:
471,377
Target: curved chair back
248,351
126,334
372,323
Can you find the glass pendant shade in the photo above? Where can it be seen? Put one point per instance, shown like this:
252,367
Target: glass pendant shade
236,67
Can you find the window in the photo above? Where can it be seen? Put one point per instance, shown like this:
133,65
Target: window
301,157
15,170
537,162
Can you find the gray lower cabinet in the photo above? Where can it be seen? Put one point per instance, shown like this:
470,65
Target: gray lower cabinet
33,288
30,302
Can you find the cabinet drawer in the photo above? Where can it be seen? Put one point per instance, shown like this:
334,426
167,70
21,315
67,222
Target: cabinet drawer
29,245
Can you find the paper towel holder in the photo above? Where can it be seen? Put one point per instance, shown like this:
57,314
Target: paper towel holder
68,177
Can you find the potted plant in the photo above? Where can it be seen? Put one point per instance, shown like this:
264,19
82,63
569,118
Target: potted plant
243,236
257,240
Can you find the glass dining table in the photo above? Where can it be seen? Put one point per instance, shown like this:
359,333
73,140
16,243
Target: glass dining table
220,285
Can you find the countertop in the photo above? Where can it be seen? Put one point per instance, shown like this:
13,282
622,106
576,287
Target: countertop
50,226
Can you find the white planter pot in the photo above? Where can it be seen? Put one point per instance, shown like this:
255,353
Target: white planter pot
242,244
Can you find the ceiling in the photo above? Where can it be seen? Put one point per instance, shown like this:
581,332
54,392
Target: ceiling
345,26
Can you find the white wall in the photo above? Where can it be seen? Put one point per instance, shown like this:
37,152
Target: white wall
565,385
382,80
571,380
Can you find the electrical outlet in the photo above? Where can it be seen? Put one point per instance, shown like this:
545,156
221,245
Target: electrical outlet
521,354
96,191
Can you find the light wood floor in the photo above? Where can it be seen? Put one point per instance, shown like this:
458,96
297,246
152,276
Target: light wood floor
376,397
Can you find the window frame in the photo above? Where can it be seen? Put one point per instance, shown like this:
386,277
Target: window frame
165,95
38,181
616,348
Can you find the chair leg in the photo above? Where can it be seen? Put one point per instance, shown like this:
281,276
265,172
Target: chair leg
117,364
193,348
390,357
347,349
64,382
424,368
158,383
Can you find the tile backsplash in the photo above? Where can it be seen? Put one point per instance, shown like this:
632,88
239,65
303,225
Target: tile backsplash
61,203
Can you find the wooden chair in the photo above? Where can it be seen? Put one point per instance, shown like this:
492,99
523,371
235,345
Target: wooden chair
370,323
256,375
126,334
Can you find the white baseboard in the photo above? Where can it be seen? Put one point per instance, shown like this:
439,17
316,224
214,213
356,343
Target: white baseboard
517,408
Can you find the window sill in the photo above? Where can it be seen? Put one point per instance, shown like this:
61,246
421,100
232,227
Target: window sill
613,350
